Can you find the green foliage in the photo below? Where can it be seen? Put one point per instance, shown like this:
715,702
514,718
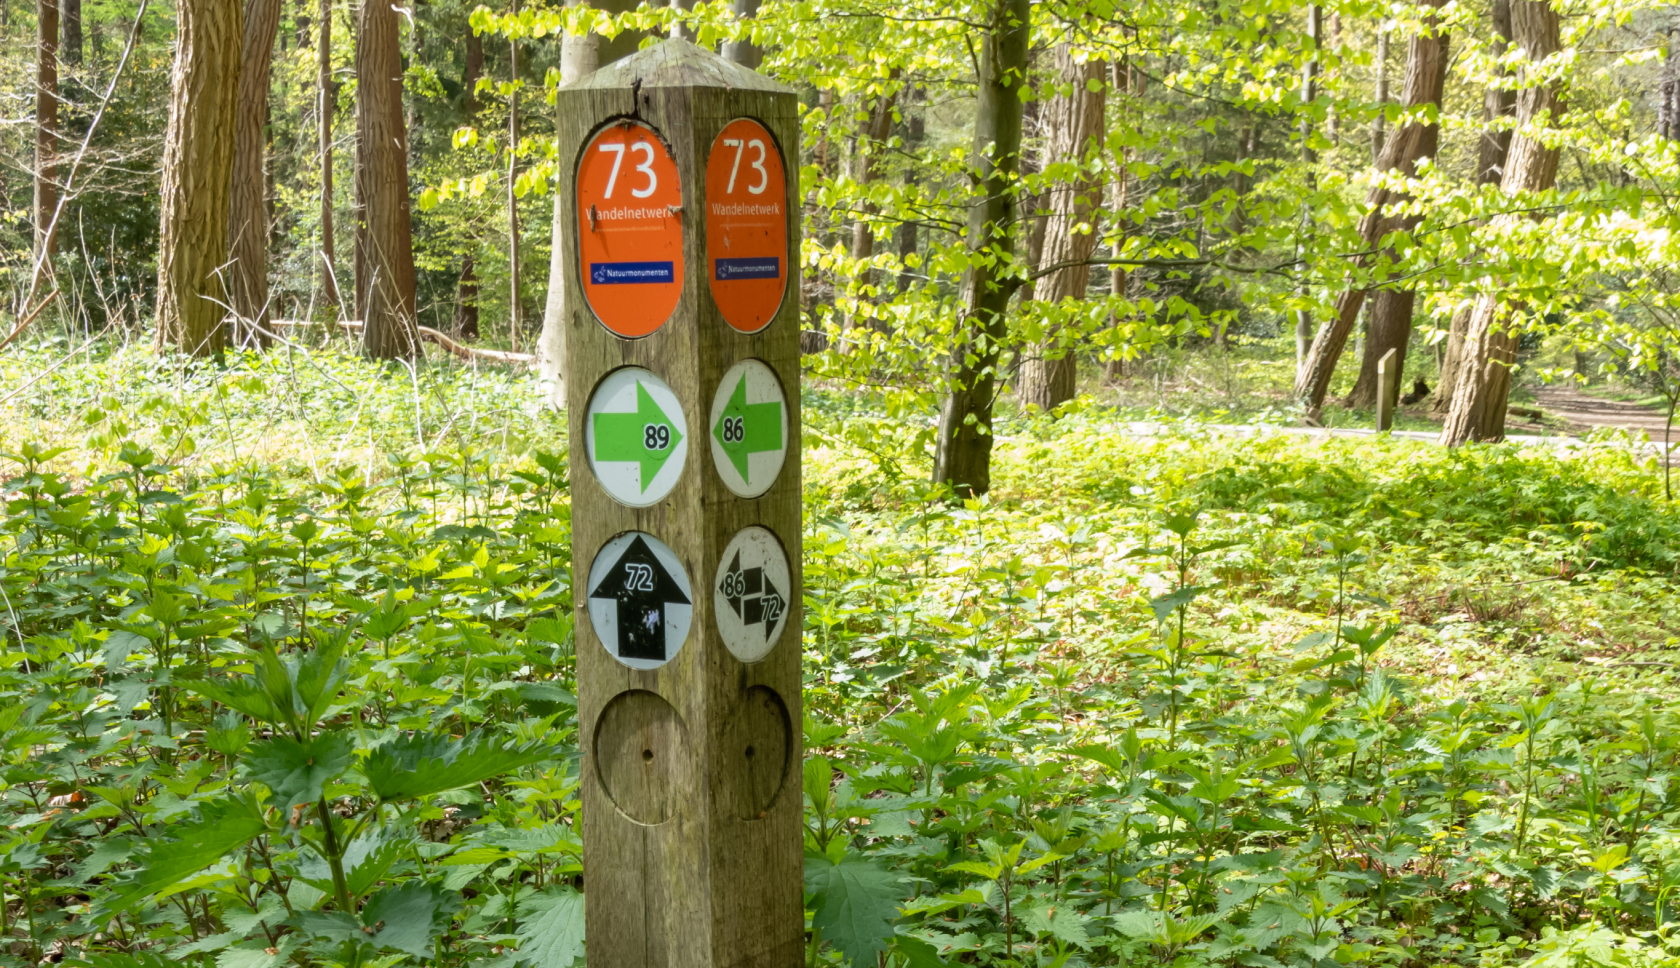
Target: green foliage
1182,698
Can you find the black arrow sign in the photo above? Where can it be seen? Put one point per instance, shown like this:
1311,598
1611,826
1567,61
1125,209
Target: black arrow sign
752,596
642,587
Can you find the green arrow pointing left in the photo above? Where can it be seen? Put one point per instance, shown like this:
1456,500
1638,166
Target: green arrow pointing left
746,428
637,436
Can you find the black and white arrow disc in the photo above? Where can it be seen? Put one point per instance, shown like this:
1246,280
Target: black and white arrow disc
752,594
640,601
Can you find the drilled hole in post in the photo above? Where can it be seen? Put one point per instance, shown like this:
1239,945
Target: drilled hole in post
750,752
647,756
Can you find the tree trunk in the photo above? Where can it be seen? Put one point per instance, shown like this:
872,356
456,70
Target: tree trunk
1484,377
908,230
247,271
512,197
963,447
1391,329
1379,127
197,173
1426,72
1122,80
384,242
1075,129
475,69
46,131
1491,149
72,47
466,301
326,104
872,145
579,57
744,52
1309,93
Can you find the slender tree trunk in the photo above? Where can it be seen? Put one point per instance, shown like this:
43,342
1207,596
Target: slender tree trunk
330,299
1491,149
197,173
247,271
1426,66
466,301
579,57
744,52
474,70
385,297
1483,381
72,48
1122,79
1074,118
872,145
908,231
512,196
963,446
1309,93
46,130
1379,127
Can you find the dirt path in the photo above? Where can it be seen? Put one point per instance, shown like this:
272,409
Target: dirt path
1585,412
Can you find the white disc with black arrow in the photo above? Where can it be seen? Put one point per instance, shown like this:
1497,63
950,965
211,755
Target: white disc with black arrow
751,595
640,601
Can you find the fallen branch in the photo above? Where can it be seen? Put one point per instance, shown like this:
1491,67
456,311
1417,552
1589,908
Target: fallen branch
430,335
25,321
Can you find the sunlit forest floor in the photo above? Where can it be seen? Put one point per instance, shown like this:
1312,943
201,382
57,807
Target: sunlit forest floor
1262,699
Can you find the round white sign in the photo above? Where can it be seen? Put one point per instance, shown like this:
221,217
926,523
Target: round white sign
749,428
640,601
636,436
751,595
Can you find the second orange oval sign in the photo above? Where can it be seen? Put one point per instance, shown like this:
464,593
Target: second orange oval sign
629,228
746,225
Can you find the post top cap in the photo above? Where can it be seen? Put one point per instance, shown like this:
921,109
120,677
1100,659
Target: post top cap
677,63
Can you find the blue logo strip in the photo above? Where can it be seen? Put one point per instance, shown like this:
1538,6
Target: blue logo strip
767,268
620,273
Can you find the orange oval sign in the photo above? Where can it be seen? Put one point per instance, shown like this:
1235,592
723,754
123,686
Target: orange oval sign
746,225
629,228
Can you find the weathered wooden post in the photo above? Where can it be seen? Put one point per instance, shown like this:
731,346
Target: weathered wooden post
1388,389
681,172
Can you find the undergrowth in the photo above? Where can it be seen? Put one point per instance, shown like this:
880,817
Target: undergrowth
288,670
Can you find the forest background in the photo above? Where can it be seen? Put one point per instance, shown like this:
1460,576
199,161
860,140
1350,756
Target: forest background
287,664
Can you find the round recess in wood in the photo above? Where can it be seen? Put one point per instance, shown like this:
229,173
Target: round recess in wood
643,756
754,758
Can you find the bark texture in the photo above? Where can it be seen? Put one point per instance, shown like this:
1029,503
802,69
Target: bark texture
871,147
1426,67
963,448
384,241
1073,121
197,172
46,127
247,271
466,301
1483,381
1491,149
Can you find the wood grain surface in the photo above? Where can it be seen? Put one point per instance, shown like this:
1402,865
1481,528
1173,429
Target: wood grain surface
708,872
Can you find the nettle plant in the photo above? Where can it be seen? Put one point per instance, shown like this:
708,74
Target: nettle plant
1195,796
255,722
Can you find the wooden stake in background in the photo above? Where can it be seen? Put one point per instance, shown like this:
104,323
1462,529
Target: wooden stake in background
683,419
1388,389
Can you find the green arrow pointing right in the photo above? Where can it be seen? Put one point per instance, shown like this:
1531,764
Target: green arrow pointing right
628,436
746,428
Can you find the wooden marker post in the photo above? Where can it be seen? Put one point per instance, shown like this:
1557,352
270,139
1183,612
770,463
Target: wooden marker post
680,170
1388,389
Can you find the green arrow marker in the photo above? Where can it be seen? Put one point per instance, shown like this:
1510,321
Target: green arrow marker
746,428
637,436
